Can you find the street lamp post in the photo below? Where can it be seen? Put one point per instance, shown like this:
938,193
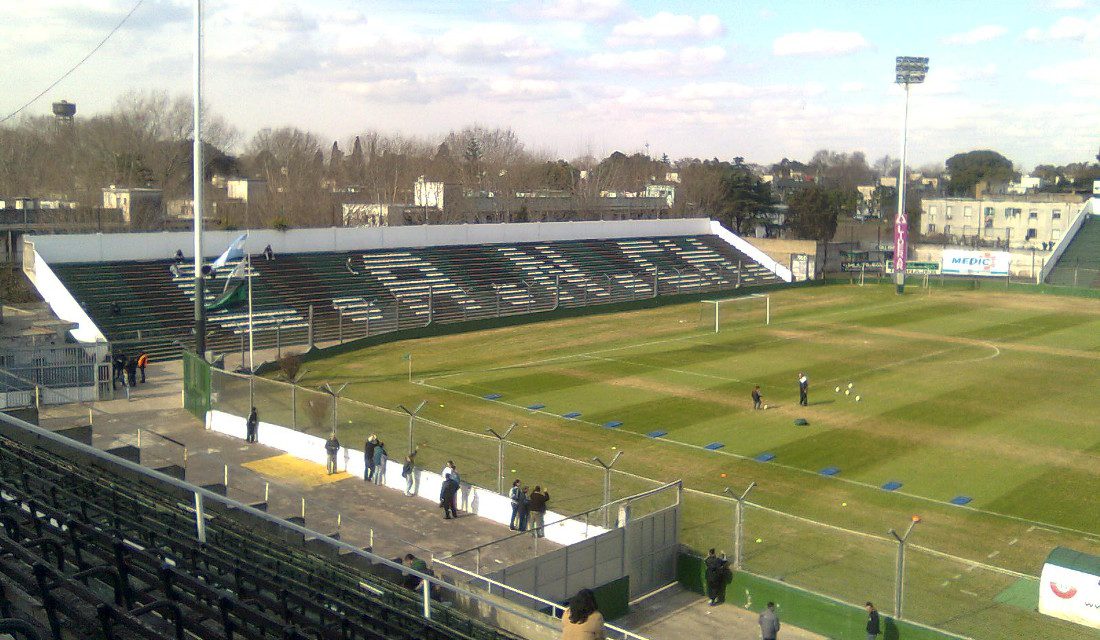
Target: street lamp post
899,572
909,70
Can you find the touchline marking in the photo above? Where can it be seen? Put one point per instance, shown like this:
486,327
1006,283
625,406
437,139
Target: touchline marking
969,593
738,456
660,368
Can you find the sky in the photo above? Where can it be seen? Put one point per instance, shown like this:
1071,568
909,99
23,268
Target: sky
761,79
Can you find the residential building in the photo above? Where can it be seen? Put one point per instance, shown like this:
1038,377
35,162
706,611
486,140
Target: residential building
139,205
246,189
1025,221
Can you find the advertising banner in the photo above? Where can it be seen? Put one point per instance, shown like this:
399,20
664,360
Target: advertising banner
917,268
976,263
1070,587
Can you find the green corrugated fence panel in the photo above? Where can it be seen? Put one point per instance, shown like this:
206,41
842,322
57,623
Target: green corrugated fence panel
196,385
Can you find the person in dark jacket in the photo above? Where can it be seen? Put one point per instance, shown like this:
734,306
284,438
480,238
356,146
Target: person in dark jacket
513,495
756,398
536,506
408,472
716,571
769,623
368,457
252,426
380,456
524,503
332,447
447,497
872,622
118,363
131,371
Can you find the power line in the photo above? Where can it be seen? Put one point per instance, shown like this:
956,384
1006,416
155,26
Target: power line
75,66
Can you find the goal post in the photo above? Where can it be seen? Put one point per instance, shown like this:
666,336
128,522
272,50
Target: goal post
748,309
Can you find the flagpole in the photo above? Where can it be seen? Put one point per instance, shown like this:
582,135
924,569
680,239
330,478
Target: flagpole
248,274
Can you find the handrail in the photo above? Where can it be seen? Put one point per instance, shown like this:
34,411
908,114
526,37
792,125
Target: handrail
554,607
202,494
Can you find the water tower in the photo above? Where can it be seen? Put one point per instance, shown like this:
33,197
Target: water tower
64,112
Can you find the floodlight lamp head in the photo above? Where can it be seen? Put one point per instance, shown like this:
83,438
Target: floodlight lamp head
910,70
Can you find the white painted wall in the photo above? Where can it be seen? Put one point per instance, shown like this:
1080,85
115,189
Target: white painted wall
743,246
472,499
163,245
61,302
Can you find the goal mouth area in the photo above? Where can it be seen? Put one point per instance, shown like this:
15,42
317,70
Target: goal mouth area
719,304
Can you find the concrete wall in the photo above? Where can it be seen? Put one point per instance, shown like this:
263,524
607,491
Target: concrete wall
162,246
742,245
61,302
780,250
472,499
1025,263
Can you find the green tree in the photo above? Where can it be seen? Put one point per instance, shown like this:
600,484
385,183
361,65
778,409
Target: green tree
812,212
744,198
970,168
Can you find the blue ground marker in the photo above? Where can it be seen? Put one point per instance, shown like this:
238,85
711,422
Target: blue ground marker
714,446
829,471
961,500
657,434
765,457
536,407
493,396
893,485
572,415
612,424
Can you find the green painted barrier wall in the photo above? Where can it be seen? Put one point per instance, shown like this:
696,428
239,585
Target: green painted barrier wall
613,598
801,608
196,385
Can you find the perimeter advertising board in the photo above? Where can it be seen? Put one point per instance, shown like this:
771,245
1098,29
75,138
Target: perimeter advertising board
976,263
1069,587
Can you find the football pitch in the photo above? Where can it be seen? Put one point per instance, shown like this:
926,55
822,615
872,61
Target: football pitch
947,394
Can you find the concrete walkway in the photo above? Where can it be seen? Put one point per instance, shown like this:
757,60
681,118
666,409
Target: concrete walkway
365,515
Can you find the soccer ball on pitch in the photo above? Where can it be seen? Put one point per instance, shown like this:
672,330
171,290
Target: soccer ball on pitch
838,389
857,398
847,392
765,406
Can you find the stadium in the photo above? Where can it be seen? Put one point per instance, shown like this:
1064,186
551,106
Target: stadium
610,362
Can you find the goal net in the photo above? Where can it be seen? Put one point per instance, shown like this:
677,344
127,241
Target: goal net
729,313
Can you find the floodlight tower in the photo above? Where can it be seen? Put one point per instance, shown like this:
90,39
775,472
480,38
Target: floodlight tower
909,71
197,171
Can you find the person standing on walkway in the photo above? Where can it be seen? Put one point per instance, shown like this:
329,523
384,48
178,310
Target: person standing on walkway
332,447
803,389
368,457
252,426
380,457
142,361
524,503
447,497
769,622
408,472
872,622
537,507
131,371
514,495
715,577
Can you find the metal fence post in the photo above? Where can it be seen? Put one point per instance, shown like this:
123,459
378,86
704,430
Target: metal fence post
412,419
200,519
899,571
607,486
739,524
500,455
426,588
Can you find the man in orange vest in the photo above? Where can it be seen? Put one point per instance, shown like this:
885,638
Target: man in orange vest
143,360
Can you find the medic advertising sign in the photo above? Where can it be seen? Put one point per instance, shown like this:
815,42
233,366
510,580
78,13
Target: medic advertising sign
976,263
1070,587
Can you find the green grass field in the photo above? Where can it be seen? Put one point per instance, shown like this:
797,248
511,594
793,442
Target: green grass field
977,393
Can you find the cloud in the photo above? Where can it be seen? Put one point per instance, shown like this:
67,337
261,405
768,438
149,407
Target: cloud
526,89
1067,4
853,87
819,42
490,42
572,10
1077,76
950,81
1067,28
983,33
667,26
689,60
415,89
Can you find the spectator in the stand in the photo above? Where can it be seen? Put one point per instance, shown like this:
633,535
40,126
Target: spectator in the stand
408,472
582,619
252,426
142,362
179,256
380,458
268,253
116,310
514,495
332,447
537,508
174,268
416,564
368,457
351,268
